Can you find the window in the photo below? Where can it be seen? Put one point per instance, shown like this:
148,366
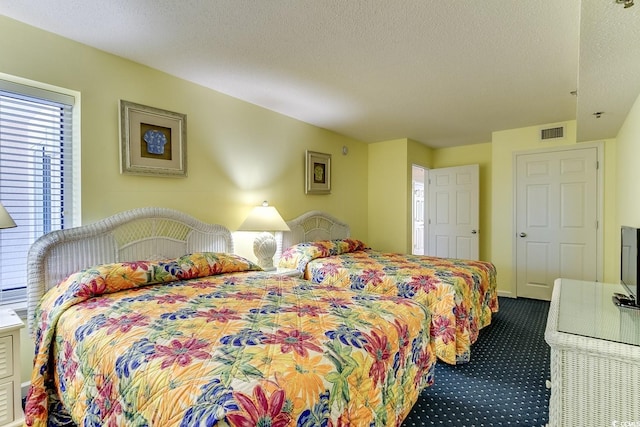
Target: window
36,175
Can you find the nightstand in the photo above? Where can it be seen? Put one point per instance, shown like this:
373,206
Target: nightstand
291,272
10,394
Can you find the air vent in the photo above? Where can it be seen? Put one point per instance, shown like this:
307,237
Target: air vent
556,132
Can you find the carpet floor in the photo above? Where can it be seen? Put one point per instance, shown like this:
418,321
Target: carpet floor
504,384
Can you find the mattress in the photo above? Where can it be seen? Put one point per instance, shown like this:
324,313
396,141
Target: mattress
208,339
461,295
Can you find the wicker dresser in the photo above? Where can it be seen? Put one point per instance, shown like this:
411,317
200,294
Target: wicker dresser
595,356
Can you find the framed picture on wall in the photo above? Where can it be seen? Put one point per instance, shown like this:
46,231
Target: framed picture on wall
153,142
318,173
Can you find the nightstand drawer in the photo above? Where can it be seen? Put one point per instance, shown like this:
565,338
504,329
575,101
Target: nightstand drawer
10,404
6,403
6,356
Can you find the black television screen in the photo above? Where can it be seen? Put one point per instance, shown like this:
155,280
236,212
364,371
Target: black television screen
629,273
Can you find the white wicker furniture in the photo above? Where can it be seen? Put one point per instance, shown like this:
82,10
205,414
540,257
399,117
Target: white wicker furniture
313,226
11,414
595,359
138,234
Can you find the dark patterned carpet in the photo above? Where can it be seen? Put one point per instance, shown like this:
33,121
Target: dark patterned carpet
504,384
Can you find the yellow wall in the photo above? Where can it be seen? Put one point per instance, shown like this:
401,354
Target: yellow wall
238,154
611,229
473,154
387,195
390,192
627,176
504,145
628,171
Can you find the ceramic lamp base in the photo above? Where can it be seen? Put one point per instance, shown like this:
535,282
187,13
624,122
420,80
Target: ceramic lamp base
264,248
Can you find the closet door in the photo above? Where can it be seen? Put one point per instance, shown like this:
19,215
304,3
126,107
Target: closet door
556,219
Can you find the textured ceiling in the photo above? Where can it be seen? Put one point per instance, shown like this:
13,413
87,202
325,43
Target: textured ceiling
441,73
609,73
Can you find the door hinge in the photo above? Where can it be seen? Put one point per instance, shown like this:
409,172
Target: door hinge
597,165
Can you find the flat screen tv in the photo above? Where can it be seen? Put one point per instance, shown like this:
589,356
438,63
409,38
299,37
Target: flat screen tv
629,261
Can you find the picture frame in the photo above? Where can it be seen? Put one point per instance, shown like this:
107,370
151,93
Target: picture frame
318,173
153,142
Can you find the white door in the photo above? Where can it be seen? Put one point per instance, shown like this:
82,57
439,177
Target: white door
454,212
556,219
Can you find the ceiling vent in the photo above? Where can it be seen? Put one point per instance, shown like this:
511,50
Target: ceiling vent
556,132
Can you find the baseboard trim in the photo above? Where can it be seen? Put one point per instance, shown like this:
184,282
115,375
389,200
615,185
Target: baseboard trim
507,294
24,388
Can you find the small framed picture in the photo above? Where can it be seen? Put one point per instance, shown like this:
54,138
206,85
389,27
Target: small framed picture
153,142
318,173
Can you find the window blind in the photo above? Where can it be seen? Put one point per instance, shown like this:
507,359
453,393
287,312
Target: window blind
36,166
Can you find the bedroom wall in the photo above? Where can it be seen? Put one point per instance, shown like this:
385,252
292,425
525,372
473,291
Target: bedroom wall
504,145
238,154
387,174
390,192
627,171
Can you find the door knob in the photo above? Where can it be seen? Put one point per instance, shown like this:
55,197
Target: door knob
474,231
523,234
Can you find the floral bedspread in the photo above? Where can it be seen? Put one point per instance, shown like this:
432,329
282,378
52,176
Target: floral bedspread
205,340
461,294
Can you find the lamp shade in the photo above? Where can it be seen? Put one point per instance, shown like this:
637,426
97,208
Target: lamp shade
264,218
5,219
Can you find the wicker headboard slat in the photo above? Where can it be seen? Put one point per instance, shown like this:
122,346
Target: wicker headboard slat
313,226
138,234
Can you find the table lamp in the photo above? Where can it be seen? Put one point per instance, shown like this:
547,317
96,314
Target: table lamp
266,219
5,219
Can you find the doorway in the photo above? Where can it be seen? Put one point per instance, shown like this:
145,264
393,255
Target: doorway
419,208
445,211
558,204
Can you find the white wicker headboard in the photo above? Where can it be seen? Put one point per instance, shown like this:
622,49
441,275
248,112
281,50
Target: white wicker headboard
313,226
135,235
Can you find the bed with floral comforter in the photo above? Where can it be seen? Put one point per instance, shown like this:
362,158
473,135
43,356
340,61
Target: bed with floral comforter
206,339
461,294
